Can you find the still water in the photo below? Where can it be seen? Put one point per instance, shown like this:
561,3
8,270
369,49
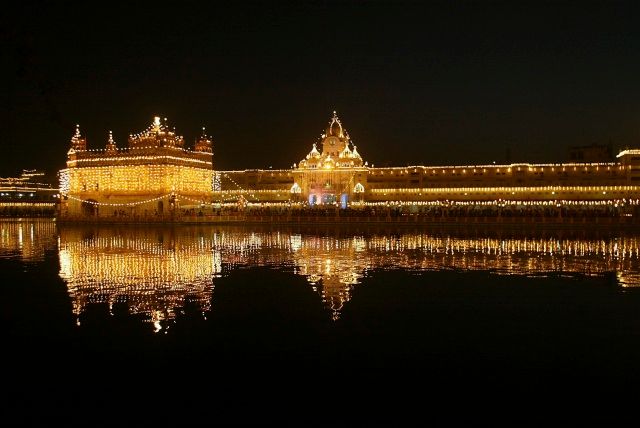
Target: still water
215,303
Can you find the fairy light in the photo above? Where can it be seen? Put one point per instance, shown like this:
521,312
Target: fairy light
242,191
157,164
125,204
154,167
116,266
65,183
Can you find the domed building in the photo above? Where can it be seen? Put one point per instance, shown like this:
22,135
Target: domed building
153,177
156,175
334,176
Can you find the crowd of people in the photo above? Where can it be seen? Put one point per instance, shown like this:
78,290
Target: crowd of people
394,211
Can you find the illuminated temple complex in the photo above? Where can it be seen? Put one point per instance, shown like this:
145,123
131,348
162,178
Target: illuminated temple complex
142,179
336,173
156,176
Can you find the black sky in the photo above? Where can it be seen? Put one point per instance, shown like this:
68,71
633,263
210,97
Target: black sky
414,83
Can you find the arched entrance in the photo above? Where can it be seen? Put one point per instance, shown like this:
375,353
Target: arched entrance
295,192
344,200
358,190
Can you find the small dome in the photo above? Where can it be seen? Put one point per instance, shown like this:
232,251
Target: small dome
346,153
314,152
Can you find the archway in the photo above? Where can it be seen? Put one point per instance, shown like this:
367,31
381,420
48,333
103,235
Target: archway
295,192
358,190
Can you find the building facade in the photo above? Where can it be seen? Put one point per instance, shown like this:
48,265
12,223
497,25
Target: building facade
29,195
336,175
154,176
333,175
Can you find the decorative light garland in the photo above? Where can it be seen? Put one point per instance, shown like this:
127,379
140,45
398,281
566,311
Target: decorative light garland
123,204
518,189
136,158
240,187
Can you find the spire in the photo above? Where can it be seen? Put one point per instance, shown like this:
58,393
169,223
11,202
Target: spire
203,143
77,141
111,144
346,153
355,153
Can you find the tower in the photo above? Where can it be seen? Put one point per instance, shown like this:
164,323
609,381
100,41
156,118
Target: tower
203,143
111,145
78,142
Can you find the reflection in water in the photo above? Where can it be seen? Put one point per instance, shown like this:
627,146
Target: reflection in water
157,270
26,239
154,270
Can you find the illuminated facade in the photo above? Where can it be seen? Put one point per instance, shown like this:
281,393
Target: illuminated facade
156,177
142,179
28,196
156,270
153,271
28,239
336,174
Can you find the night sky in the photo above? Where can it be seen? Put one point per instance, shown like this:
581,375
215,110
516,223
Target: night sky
442,83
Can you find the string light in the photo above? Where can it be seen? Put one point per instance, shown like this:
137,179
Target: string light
109,204
114,266
156,166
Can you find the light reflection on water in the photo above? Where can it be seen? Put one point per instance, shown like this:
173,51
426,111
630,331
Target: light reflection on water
155,270
26,239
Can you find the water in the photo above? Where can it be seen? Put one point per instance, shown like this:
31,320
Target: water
126,314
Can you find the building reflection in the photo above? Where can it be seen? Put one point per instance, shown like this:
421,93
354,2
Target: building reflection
153,271
156,271
333,265
27,240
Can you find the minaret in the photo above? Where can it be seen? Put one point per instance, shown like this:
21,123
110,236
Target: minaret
77,141
203,143
111,145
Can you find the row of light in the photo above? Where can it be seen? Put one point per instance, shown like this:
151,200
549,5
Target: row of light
28,204
334,264
529,189
503,202
130,149
302,204
76,162
463,170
